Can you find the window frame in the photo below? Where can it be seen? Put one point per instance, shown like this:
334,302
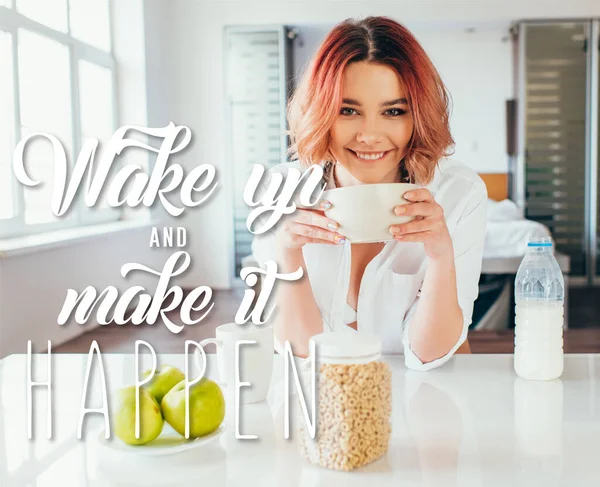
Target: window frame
11,21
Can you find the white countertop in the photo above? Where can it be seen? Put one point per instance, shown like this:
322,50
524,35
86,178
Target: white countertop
471,422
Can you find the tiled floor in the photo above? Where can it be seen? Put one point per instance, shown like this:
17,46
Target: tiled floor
583,336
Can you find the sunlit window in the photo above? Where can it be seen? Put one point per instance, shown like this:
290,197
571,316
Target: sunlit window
52,13
97,114
7,126
45,100
58,77
90,22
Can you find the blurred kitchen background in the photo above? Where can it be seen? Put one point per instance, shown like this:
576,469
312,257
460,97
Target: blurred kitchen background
524,80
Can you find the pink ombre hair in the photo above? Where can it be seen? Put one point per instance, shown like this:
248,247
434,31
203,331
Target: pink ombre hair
317,100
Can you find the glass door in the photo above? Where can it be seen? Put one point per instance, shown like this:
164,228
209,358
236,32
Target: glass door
257,88
594,150
554,167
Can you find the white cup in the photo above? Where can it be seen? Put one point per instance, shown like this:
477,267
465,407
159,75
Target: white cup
366,211
255,360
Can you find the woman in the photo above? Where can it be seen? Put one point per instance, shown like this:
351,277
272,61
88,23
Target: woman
372,108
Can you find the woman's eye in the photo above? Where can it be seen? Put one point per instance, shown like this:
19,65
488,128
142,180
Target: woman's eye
347,111
396,112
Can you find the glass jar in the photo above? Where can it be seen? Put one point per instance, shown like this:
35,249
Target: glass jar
354,402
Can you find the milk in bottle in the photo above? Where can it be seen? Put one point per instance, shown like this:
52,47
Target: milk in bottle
539,310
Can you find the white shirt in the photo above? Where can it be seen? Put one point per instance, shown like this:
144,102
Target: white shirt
391,284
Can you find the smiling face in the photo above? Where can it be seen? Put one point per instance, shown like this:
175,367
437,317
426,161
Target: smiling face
373,128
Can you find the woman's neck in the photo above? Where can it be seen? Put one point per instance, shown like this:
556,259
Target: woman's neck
342,177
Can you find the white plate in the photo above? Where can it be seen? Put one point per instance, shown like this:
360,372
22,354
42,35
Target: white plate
167,443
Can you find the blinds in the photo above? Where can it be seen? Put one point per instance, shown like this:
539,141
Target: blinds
555,157
257,93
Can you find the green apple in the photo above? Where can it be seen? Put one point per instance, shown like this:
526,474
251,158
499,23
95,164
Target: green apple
151,420
163,381
207,407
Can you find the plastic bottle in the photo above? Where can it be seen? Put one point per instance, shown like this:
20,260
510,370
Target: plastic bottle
539,313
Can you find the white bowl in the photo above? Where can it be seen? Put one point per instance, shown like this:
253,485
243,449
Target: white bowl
365,212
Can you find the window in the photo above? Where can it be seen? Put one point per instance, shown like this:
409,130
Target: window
7,129
58,76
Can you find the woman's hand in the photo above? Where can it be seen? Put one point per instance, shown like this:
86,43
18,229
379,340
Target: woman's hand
307,226
428,227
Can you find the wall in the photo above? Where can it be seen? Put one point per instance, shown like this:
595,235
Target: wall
191,35
33,286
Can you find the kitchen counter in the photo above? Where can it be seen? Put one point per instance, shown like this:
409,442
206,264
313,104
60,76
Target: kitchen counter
471,422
